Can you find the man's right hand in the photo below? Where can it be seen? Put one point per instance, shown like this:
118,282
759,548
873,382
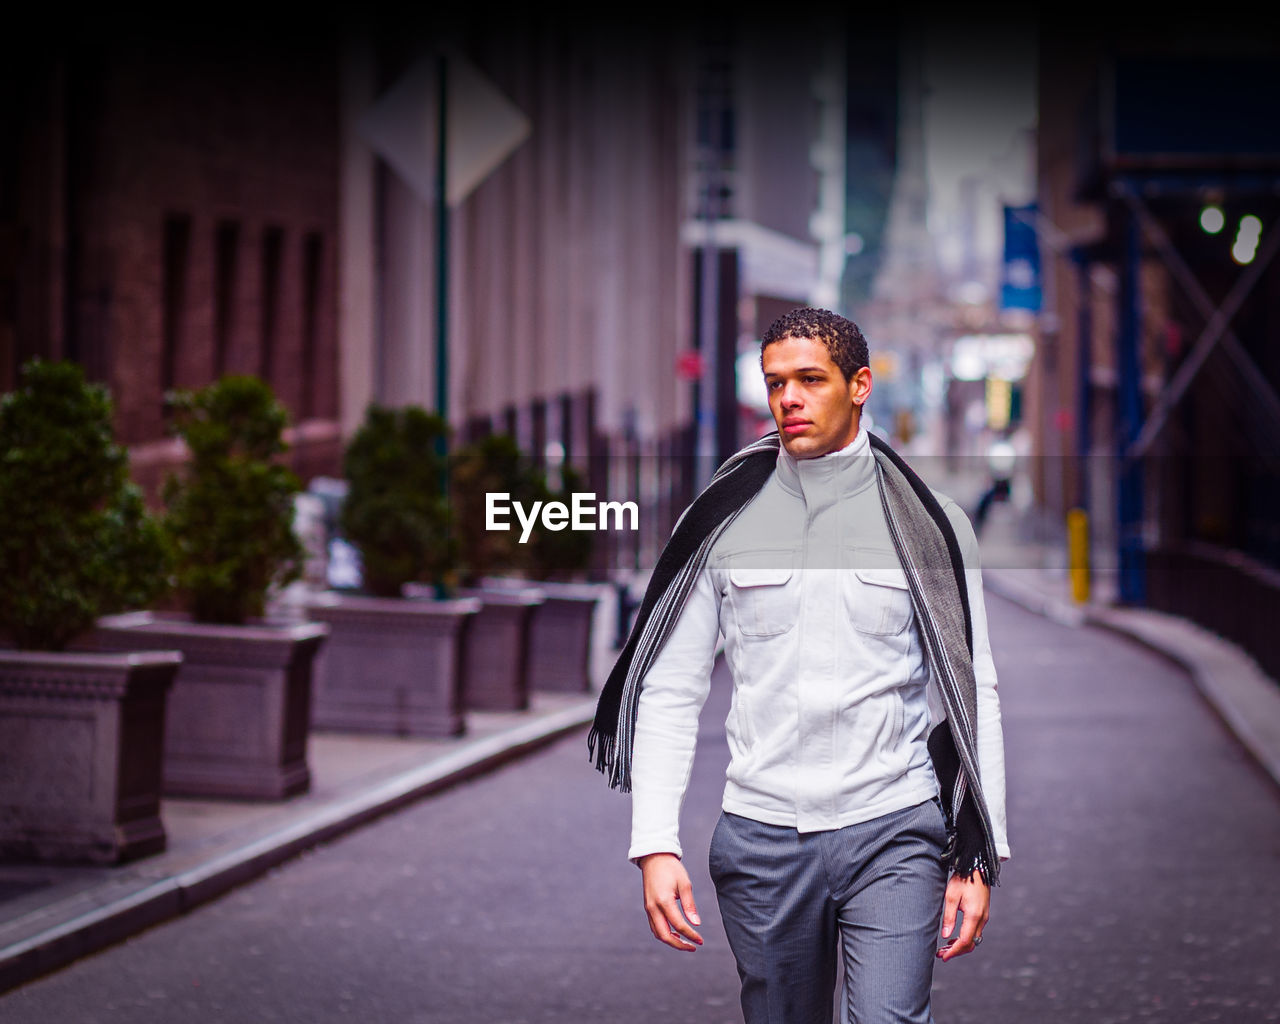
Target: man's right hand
668,900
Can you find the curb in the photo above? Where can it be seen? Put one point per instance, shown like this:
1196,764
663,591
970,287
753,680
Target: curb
1244,698
1033,599
118,919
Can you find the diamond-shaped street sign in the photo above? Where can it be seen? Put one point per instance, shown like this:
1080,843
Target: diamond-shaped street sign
483,127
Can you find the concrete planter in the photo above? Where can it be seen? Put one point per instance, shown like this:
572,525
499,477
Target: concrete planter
560,634
239,714
81,754
391,665
495,652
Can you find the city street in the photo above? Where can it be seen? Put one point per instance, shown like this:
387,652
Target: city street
1143,887
357,374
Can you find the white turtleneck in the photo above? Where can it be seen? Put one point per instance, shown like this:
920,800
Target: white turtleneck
830,710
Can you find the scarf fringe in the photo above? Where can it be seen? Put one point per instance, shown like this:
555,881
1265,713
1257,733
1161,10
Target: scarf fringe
977,862
967,852
603,748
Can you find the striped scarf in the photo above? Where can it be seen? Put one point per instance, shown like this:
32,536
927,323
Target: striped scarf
930,555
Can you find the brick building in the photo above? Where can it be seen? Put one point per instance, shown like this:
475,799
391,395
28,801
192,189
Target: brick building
169,215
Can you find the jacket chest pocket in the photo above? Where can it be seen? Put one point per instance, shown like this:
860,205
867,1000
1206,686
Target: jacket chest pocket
878,601
762,593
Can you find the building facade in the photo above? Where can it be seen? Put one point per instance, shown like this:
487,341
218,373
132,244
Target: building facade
184,200
1154,391
170,207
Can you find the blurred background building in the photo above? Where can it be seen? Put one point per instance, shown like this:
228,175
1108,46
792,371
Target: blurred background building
1153,394
627,206
168,214
1059,238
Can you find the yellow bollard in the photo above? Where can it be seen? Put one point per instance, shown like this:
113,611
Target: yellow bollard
1078,554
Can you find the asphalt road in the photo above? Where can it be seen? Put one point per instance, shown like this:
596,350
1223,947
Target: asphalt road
1145,886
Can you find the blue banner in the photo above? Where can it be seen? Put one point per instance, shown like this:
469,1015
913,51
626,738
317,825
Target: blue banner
1020,272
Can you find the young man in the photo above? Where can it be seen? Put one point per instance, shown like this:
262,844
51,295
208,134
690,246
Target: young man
864,799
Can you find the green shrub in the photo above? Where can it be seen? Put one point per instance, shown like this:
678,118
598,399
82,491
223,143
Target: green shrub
394,512
492,464
76,540
558,554
229,517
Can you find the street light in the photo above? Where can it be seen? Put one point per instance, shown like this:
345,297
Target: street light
1247,237
1212,219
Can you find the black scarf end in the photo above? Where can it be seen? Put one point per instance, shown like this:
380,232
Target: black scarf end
603,749
965,860
600,748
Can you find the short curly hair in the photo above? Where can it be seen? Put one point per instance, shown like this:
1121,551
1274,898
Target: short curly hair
844,341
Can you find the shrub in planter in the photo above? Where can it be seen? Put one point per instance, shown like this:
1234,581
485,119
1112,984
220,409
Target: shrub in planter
230,515
81,734
391,664
490,465
561,631
496,655
395,513
76,540
240,709
559,555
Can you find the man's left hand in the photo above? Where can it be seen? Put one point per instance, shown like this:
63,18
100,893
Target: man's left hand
973,899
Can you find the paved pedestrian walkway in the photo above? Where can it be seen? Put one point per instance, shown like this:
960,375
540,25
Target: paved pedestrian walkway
50,915
1034,574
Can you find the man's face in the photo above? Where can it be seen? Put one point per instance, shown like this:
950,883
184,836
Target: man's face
816,409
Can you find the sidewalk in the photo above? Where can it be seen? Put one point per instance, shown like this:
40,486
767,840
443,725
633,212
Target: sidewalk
1034,575
51,915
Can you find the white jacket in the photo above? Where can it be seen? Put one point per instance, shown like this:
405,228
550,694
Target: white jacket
831,703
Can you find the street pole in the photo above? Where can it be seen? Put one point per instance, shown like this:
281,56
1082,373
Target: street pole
1078,517
709,294
1084,384
442,248
442,282
1129,485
